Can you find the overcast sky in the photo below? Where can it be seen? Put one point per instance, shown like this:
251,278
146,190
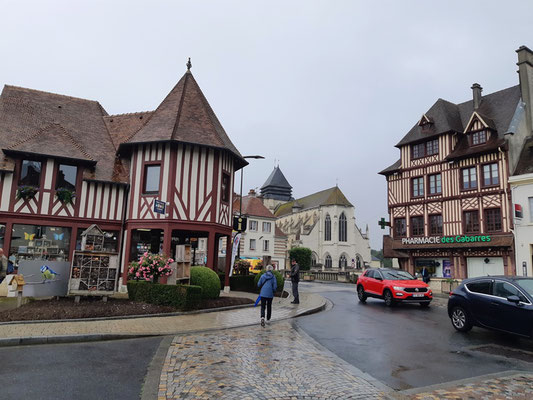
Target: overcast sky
327,88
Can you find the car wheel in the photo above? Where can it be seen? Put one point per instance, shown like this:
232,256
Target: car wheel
387,296
361,293
460,319
424,304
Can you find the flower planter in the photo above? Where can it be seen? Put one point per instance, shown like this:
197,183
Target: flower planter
309,277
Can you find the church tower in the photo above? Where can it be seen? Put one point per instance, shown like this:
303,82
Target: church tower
276,190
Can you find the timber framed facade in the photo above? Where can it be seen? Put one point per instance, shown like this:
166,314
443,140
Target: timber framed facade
150,180
449,197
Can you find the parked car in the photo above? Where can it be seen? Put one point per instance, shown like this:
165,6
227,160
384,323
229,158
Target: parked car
393,286
503,303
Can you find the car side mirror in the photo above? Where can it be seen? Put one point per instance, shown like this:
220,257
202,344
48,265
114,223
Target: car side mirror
513,299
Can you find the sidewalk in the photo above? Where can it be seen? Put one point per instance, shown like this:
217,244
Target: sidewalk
101,329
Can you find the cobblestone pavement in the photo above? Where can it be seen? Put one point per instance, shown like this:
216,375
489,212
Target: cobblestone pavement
515,387
275,362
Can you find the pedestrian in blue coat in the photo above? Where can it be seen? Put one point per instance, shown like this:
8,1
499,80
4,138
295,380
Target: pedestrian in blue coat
268,285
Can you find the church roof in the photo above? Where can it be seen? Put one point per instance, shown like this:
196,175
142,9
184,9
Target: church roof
184,116
332,196
277,178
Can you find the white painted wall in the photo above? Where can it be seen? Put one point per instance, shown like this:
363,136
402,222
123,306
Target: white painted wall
522,190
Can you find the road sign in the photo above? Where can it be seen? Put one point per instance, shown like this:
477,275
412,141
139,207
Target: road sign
160,206
239,223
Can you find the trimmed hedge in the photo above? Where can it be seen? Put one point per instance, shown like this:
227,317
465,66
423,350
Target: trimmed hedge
302,255
208,280
277,274
241,283
184,297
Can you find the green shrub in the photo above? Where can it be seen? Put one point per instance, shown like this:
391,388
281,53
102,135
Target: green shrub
302,255
279,279
241,283
208,280
183,297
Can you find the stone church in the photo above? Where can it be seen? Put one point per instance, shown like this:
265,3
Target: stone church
323,221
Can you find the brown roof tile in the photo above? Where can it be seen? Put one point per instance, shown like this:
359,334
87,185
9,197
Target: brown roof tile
252,206
123,126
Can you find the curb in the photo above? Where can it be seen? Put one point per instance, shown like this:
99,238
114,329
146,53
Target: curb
31,340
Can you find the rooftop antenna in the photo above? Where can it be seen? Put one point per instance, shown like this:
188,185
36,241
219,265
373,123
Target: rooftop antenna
189,64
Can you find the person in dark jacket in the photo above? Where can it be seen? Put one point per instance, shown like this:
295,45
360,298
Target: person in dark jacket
268,285
295,278
425,275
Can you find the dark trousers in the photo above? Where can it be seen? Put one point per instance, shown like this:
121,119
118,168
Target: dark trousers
266,302
295,292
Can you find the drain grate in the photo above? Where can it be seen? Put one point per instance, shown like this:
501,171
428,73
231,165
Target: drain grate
506,352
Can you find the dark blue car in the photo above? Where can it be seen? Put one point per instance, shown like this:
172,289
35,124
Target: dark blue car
503,303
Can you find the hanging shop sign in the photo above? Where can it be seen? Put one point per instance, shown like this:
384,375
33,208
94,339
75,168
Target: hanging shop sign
160,206
446,239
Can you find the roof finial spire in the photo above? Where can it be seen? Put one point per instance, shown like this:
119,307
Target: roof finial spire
189,64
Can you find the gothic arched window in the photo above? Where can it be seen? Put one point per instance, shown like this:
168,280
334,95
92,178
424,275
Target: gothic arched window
327,228
328,263
358,262
343,237
313,259
343,263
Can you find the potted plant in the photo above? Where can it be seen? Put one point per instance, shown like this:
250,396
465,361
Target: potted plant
150,267
26,192
308,276
65,196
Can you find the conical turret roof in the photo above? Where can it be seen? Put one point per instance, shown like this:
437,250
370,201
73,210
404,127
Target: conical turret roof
277,186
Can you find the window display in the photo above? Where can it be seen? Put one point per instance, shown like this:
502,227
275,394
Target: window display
37,242
146,240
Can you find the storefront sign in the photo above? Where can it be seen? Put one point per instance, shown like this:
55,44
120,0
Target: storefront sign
446,239
159,206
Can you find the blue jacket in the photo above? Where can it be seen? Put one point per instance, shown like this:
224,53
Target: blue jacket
270,285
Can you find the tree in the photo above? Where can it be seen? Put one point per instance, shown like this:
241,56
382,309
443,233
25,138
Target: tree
302,255
385,262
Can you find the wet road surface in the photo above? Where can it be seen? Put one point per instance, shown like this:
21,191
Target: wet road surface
405,346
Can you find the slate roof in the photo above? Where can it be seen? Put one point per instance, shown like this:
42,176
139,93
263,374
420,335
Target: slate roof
277,179
332,196
184,116
497,109
252,206
392,168
43,123
525,162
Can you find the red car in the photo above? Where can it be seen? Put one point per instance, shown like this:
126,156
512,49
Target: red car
393,286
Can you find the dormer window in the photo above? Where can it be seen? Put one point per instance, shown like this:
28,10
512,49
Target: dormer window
428,148
66,177
479,137
30,173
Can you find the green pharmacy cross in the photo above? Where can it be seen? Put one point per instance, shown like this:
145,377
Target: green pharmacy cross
383,223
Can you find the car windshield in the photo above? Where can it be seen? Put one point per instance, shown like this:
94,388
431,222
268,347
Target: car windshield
397,275
526,284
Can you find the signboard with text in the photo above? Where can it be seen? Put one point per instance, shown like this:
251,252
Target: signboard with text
446,239
159,207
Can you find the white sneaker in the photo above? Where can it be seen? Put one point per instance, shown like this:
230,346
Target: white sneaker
262,322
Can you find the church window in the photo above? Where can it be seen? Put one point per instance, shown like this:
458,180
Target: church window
358,262
342,228
342,262
313,259
327,228
328,263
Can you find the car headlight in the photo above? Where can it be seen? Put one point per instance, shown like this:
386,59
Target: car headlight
398,288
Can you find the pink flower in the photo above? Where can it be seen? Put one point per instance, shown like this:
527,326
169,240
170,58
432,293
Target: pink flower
137,274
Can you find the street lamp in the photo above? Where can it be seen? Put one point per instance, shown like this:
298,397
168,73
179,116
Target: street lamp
256,157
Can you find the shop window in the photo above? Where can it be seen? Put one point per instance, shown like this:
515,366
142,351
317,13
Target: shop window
328,262
225,189
327,228
252,244
343,227
66,177
111,240
2,235
417,185
151,179
253,225
471,221
146,240
493,220
469,178
30,173
435,224
36,242
490,175
417,226
435,184
267,227
400,227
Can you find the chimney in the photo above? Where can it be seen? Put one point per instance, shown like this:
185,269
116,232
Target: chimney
525,72
476,91
251,193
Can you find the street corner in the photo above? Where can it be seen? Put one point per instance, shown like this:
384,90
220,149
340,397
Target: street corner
274,362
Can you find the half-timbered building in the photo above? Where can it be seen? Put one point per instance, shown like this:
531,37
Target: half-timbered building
449,199
150,180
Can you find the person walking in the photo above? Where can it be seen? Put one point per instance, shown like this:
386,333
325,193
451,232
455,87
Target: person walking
268,285
295,278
